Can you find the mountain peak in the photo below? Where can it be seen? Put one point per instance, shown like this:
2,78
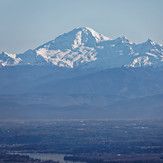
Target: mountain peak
91,32
80,36
123,39
96,35
149,41
86,34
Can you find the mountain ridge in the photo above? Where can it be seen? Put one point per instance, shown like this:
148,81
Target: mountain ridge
85,48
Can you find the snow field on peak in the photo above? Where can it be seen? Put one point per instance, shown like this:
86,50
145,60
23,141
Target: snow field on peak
68,58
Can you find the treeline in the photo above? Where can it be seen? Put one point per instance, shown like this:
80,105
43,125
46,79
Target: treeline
96,160
15,158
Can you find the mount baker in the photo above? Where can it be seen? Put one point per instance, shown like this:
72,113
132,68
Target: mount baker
85,48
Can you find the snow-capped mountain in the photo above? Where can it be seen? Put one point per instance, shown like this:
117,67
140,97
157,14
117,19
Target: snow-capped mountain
8,59
83,47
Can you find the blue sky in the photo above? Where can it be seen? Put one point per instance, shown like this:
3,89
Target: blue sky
26,24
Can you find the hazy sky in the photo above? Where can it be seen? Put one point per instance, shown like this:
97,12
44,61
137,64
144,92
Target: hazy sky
26,24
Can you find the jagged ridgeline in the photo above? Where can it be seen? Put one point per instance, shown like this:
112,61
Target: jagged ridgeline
84,47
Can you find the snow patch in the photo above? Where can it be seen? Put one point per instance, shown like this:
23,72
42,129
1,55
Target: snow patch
141,61
153,55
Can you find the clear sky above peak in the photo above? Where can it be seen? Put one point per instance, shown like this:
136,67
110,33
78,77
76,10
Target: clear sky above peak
28,24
